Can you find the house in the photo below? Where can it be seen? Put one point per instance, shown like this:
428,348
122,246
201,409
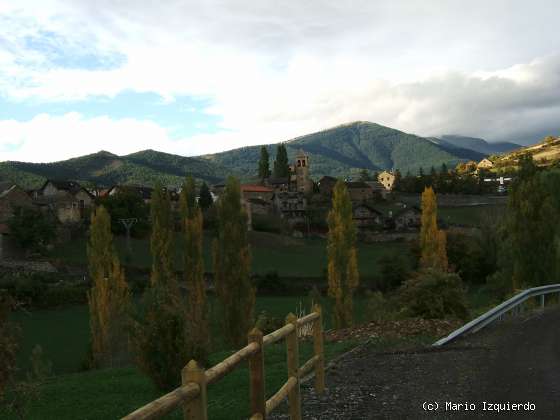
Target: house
260,206
291,205
326,185
144,192
407,218
485,164
359,191
378,189
67,199
366,216
11,197
278,184
387,179
249,191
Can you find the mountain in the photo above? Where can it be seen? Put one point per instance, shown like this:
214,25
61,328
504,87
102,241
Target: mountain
339,151
104,168
478,145
544,153
347,148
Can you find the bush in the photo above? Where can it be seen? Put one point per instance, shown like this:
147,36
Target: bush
271,284
267,323
394,269
434,294
378,308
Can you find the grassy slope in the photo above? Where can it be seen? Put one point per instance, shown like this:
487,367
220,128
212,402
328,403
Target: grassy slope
113,393
103,168
343,149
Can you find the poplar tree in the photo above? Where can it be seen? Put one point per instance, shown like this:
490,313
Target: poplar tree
264,165
432,240
281,164
232,265
205,200
109,297
343,273
160,335
193,274
161,242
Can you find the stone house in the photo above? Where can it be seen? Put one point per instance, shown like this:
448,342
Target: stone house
485,164
291,205
387,179
278,184
366,216
69,201
11,197
249,191
407,218
359,191
144,192
326,185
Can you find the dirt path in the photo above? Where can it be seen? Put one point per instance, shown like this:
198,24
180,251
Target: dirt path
515,361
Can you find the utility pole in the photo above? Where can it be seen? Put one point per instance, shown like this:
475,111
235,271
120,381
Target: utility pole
128,223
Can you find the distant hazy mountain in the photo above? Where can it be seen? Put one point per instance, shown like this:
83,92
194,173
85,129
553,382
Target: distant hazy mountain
104,168
478,145
346,148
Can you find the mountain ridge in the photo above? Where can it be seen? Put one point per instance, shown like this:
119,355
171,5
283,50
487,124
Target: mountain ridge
338,151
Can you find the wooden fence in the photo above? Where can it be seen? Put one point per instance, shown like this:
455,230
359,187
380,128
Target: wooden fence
192,397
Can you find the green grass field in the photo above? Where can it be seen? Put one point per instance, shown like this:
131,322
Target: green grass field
470,215
288,256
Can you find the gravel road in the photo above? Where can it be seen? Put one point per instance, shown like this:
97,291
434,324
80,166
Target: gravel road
516,361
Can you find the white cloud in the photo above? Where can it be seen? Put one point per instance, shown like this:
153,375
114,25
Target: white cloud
274,71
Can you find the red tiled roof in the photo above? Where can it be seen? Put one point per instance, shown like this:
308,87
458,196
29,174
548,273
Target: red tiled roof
255,188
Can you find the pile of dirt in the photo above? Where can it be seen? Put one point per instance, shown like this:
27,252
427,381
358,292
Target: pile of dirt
396,329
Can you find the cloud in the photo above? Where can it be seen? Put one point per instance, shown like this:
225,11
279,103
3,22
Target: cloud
273,71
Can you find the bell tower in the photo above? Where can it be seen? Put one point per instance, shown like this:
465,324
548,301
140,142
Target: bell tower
301,168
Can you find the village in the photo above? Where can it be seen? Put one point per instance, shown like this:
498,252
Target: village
296,202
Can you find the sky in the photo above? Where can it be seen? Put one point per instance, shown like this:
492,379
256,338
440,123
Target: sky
197,77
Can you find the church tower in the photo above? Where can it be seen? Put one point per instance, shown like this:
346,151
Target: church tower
301,169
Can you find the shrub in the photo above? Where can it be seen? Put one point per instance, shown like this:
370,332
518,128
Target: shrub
394,270
267,323
434,294
272,284
378,307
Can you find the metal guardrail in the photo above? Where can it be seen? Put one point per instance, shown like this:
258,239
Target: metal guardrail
497,312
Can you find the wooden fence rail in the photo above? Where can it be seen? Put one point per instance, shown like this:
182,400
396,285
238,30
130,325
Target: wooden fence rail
192,394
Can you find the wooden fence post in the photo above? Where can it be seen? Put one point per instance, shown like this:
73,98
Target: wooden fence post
195,409
292,351
318,350
256,369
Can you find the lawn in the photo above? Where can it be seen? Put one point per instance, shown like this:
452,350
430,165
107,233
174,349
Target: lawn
287,256
470,215
113,393
63,333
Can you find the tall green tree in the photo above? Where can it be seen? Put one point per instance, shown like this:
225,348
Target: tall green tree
264,164
109,297
160,334
432,240
533,235
343,273
205,200
364,175
232,265
31,229
281,163
193,273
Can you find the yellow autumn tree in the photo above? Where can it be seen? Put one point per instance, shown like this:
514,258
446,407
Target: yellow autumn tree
109,297
433,241
193,274
343,273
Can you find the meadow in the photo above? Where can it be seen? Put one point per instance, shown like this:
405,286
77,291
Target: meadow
289,257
